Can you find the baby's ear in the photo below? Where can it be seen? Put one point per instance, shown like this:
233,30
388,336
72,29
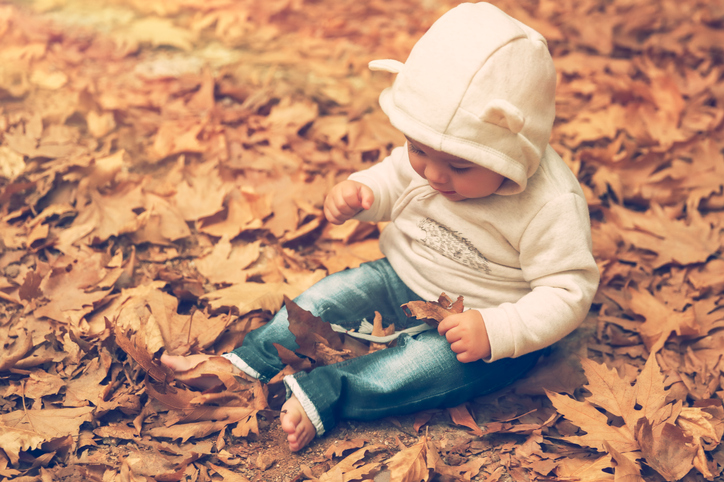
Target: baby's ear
504,114
386,65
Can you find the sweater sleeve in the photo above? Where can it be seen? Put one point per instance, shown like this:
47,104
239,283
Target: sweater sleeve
556,259
388,180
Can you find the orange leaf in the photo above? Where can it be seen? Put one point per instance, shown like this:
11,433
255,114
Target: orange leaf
461,416
595,423
433,312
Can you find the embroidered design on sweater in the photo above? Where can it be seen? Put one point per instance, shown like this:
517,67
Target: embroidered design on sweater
452,245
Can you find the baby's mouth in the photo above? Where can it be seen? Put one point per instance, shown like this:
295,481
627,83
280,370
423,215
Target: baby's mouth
442,191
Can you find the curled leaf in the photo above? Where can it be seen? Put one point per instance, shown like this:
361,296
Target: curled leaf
433,312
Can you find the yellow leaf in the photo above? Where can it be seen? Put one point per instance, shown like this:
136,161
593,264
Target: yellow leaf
48,80
594,423
158,32
28,429
410,465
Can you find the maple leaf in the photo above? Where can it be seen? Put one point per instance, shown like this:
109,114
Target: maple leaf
243,211
590,470
289,358
413,464
227,474
105,216
433,312
14,346
156,31
315,337
158,465
76,283
161,223
338,449
349,468
585,415
136,348
667,449
201,194
626,469
461,416
28,429
610,392
672,241
703,423
250,296
287,106
82,390
38,384
226,263
185,431
655,332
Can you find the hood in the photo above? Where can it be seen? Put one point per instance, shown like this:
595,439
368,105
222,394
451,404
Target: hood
479,85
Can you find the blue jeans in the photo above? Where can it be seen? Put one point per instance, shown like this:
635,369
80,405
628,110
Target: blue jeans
419,373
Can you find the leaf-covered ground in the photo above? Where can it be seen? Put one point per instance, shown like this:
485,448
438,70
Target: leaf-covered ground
162,169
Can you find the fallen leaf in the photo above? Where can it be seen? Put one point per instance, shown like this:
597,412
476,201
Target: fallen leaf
23,430
461,416
433,312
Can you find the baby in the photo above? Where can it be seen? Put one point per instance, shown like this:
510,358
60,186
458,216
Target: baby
479,205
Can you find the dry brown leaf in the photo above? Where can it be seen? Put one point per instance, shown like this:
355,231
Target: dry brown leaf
349,468
433,312
228,475
462,416
186,431
337,449
667,449
249,296
136,348
156,31
593,470
413,464
15,346
27,429
595,423
226,263
149,152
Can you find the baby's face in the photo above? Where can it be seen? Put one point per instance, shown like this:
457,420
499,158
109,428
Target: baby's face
453,177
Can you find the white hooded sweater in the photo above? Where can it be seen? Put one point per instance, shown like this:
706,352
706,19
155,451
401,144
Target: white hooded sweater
481,86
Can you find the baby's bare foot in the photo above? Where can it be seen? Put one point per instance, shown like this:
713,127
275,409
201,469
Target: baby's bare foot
295,422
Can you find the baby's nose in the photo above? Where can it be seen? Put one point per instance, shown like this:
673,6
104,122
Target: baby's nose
435,173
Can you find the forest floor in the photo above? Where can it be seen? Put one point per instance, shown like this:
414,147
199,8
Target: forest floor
162,170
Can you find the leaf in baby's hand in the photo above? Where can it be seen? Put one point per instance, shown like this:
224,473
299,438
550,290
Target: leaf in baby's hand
433,312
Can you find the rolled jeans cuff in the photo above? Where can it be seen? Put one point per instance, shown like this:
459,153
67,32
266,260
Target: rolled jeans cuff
241,365
293,388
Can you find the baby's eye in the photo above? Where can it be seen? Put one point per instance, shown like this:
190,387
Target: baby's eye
459,169
414,149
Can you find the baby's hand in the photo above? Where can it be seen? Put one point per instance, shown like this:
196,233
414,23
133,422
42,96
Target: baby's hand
467,335
347,199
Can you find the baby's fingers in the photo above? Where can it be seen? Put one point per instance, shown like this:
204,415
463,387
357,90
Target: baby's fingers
350,201
366,197
447,324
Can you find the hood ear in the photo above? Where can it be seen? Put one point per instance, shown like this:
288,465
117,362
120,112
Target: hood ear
504,114
386,65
